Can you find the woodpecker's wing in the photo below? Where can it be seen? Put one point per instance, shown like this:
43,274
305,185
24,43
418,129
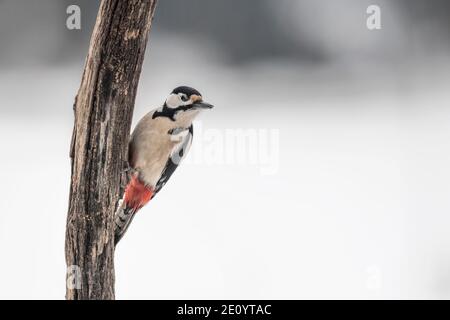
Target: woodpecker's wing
177,155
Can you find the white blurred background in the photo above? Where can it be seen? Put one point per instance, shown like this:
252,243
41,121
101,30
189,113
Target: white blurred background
358,206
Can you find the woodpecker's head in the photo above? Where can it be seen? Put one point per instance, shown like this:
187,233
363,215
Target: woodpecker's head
182,101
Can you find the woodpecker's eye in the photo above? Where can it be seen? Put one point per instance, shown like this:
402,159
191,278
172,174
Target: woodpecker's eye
184,97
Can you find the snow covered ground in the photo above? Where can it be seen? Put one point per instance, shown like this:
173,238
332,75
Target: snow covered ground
358,206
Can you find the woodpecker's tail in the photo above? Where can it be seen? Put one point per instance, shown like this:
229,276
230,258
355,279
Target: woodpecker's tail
137,195
123,218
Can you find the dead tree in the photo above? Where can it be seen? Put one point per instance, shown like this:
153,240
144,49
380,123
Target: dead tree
103,113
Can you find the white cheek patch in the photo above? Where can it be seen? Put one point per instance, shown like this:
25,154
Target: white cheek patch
173,101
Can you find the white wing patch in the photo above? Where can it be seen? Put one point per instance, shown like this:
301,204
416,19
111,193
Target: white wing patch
178,153
183,139
178,134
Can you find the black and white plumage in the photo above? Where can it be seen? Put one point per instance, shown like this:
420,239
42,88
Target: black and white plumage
178,153
157,145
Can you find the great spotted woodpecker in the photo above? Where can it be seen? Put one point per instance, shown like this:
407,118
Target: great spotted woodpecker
157,145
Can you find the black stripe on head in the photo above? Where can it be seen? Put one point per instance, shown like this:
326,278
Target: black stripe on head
186,90
165,112
171,112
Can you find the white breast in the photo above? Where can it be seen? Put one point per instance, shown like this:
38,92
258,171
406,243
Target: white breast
151,146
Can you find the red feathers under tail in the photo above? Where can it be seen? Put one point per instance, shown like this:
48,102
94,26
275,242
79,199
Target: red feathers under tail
136,196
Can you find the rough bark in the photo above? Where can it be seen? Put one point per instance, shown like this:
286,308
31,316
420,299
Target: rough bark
103,113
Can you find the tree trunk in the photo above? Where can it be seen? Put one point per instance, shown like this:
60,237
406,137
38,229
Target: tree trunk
103,113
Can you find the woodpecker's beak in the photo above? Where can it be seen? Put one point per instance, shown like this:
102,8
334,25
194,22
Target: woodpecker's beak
202,105
198,103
